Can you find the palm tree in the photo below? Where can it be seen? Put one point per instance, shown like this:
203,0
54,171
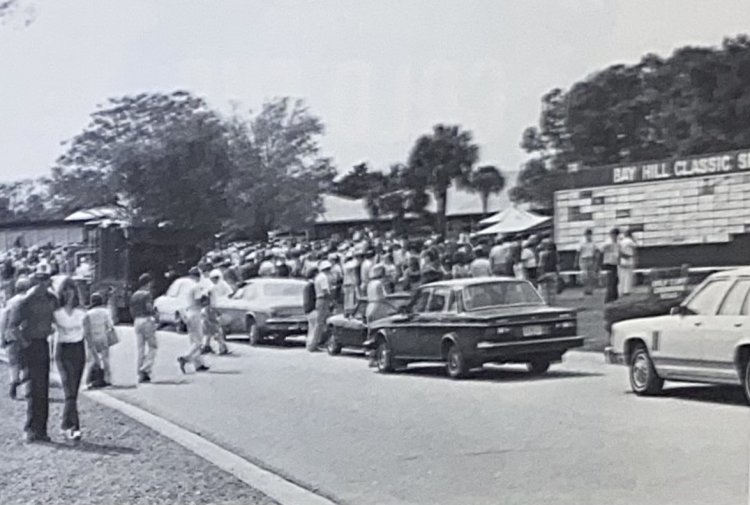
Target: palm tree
487,180
439,159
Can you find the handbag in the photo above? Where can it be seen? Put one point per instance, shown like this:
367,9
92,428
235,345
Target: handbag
96,376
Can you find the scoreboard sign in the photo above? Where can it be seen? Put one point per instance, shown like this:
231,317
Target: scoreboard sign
679,201
669,283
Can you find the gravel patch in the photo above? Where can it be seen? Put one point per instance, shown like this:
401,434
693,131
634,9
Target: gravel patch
119,461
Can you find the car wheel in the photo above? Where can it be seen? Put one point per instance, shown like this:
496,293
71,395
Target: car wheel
455,363
181,325
333,346
538,366
643,377
385,357
253,332
746,381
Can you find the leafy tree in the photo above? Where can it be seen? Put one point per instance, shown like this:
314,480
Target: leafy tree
487,180
280,171
437,160
360,182
691,103
166,155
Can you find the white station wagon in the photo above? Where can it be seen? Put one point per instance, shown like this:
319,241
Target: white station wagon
705,339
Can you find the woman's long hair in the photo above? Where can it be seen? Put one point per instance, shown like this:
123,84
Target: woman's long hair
67,283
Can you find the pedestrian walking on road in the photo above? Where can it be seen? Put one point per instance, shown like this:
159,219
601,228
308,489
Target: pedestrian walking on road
35,315
142,311
610,263
211,324
10,336
100,334
70,353
197,299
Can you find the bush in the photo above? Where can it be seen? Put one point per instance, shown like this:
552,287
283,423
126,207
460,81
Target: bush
635,306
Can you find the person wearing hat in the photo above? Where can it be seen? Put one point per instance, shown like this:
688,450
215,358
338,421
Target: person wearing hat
211,325
196,300
35,315
10,337
144,324
323,302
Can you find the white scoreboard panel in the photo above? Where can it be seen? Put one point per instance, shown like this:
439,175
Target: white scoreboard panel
695,210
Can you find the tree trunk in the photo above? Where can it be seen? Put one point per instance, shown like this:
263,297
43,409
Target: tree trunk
484,196
442,200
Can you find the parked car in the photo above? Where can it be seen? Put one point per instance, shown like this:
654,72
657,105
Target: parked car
704,339
469,322
265,308
170,307
350,330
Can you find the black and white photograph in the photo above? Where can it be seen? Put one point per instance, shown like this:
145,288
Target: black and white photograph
351,252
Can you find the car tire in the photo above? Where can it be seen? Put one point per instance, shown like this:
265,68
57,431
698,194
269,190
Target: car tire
253,333
455,363
746,382
644,380
181,326
538,366
384,357
333,347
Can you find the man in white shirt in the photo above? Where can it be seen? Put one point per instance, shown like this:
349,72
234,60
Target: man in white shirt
323,301
628,250
610,262
193,318
499,258
211,325
586,258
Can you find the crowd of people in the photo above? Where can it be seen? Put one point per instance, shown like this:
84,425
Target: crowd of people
617,257
40,324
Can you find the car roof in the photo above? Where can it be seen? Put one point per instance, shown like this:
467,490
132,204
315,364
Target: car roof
735,272
471,281
275,280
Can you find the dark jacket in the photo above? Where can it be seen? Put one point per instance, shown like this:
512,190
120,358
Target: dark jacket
35,315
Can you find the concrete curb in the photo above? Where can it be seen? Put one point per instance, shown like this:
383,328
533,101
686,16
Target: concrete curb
272,485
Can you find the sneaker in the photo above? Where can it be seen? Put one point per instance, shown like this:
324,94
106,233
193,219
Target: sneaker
202,368
144,377
206,349
75,435
69,433
182,362
225,352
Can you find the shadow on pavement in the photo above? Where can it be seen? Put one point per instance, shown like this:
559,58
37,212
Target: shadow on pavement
497,374
116,387
224,372
86,446
169,382
726,395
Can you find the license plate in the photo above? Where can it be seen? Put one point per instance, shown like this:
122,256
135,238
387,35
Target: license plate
533,331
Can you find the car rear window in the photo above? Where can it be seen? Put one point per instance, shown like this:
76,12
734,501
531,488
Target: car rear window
497,294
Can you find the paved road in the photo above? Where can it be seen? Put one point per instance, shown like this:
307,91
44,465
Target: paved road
572,437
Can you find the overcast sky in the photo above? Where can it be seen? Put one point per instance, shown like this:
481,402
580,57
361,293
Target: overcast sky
379,73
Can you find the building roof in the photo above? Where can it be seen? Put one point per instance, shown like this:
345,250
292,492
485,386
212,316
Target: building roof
339,209
84,215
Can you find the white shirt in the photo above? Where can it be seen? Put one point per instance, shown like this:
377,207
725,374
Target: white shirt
586,249
528,258
627,250
69,325
221,289
322,285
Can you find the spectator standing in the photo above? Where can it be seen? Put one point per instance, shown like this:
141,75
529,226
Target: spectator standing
548,271
480,267
586,260
323,301
460,269
628,257
144,324
99,332
367,264
610,263
529,261
70,353
350,283
499,257
195,302
10,337
35,316
212,327
308,302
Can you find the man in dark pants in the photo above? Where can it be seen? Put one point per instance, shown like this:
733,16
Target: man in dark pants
610,262
35,316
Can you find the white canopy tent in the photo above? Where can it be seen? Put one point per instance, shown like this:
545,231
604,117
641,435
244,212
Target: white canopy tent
513,220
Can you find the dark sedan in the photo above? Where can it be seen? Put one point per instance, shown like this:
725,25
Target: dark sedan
468,322
350,330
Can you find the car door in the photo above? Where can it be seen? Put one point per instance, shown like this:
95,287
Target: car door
352,331
406,327
432,324
677,346
731,323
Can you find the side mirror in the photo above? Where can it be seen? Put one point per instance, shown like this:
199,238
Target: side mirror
677,311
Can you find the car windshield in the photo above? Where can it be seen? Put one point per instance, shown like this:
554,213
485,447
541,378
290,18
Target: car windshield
495,294
283,290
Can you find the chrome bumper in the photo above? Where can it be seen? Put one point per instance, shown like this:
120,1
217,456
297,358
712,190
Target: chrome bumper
484,345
